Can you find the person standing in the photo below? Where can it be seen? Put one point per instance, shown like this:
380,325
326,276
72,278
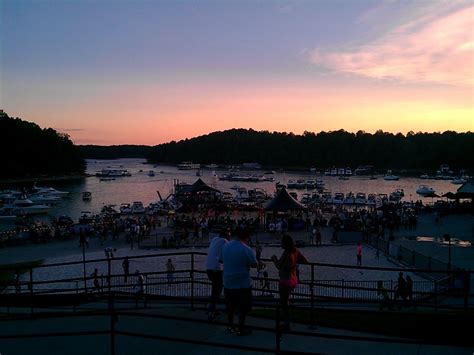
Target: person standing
318,236
287,267
140,288
214,269
126,268
170,269
258,251
238,258
359,254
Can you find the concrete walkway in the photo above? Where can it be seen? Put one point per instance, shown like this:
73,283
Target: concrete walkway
202,331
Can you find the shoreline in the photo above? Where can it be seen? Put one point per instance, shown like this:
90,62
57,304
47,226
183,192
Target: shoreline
42,179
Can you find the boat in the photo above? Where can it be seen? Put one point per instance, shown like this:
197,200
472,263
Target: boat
198,172
211,166
311,184
291,184
348,172
338,198
50,191
125,208
137,207
341,171
364,170
390,177
86,196
424,176
300,184
113,173
306,198
349,199
360,198
424,190
326,196
187,165
44,199
458,181
383,198
25,206
106,179
151,173
371,199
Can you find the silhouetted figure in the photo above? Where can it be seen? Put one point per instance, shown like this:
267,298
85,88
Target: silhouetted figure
126,268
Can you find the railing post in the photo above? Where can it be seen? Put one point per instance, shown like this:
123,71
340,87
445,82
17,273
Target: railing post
342,288
277,331
112,325
192,281
109,267
31,290
467,289
312,318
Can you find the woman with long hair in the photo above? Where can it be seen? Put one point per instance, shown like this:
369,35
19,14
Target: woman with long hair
286,266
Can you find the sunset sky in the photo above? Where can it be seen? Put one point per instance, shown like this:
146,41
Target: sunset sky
147,72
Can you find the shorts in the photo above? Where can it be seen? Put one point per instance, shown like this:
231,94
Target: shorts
238,298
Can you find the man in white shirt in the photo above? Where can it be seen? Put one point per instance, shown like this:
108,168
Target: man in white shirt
238,258
214,269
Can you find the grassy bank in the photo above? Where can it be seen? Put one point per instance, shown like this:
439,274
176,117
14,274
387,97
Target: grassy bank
448,326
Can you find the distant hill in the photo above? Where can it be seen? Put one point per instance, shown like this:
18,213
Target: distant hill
27,150
325,149
115,151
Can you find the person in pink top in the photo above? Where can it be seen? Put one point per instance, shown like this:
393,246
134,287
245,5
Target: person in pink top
286,266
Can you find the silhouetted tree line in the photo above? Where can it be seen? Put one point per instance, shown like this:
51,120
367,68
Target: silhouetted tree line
28,150
416,151
115,151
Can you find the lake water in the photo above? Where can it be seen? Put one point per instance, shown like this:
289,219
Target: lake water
141,187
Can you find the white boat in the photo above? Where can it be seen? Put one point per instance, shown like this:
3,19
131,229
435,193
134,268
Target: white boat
424,190
390,177
348,172
125,208
86,196
334,172
341,171
458,181
187,165
44,199
113,173
137,207
300,184
360,198
326,196
151,173
424,176
27,207
349,199
338,198
48,191
371,199
211,166
311,184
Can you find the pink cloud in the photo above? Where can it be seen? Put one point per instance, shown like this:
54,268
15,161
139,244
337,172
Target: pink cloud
439,50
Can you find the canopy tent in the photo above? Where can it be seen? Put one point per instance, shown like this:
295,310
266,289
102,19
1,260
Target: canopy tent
466,190
284,202
198,186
